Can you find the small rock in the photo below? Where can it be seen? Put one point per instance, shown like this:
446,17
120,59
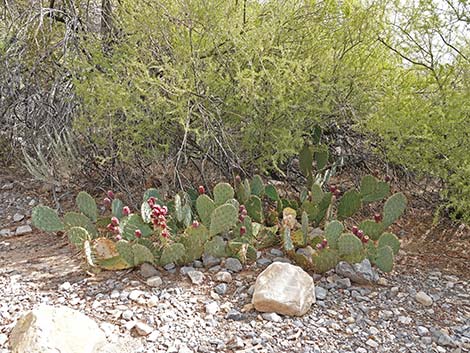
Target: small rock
210,261
127,314
405,320
154,336
271,317
3,339
66,286
361,350
186,269
8,186
169,267
223,276
320,293
22,230
276,252
154,281
142,329
153,301
198,264
32,202
423,298
262,261
372,343
197,277
148,270
212,308
343,283
135,294
382,282
5,232
234,315
221,289
18,217
422,331
233,264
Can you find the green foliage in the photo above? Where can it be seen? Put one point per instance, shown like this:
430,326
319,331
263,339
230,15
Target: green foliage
77,236
205,206
116,208
46,219
131,223
254,207
350,248
384,258
391,240
372,229
215,247
325,260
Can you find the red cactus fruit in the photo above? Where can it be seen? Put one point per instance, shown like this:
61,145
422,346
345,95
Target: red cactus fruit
118,237
242,230
354,230
388,178
238,179
107,201
319,246
333,189
138,233
111,228
114,221
195,224
110,194
360,234
126,211
201,190
378,218
324,243
365,239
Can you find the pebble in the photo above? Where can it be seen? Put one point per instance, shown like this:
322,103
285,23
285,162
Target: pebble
66,286
223,276
127,314
18,217
233,264
234,315
212,308
372,343
271,317
422,331
22,230
154,281
135,294
3,339
186,269
197,277
221,288
320,293
210,261
423,298
142,329
148,270
169,267
5,232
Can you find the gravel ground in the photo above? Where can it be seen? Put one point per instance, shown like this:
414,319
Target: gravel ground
189,312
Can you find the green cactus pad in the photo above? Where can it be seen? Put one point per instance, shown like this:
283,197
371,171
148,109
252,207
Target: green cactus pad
305,225
298,238
187,215
321,157
131,223
271,192
142,254
124,248
384,258
302,260
193,240
317,194
75,219
371,252
77,236
116,208
223,218
267,237
373,190
325,260
152,192
350,248
46,219
215,247
222,193
372,229
254,207
173,253
146,212
394,208
287,243
333,231
243,191
349,204
205,206
234,203
156,251
389,239
257,186
178,208
306,160
87,205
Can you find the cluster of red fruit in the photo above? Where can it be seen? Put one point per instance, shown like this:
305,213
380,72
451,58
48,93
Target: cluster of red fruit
322,245
158,216
242,213
108,200
113,227
360,234
335,191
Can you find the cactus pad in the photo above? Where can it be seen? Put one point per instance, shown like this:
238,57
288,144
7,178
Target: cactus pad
75,219
223,218
173,253
372,229
254,207
46,219
124,248
152,192
257,186
116,208
130,224
317,194
77,236
373,190
333,231
389,239
215,247
349,204
267,237
193,240
222,193
321,157
384,258
306,160
325,260
394,208
298,238
350,248
142,254
87,205
271,192
205,206
287,243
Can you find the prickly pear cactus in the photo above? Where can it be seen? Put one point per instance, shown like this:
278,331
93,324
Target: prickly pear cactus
215,247
373,190
193,240
321,157
124,248
287,243
116,208
325,260
306,160
298,238
131,223
142,254
317,194
243,191
267,237
103,253
77,236
333,231
223,218
372,229
394,208
87,205
349,204
75,219
391,240
254,206
384,258
350,248
173,253
271,192
46,219
205,206
257,186
222,193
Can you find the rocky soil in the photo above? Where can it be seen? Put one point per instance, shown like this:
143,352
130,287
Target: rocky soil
206,307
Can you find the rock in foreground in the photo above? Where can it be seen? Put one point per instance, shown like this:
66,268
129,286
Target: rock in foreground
284,289
56,329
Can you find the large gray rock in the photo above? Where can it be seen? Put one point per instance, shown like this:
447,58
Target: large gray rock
50,329
361,273
284,289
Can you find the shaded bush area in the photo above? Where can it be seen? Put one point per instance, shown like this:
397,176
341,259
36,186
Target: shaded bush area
238,85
